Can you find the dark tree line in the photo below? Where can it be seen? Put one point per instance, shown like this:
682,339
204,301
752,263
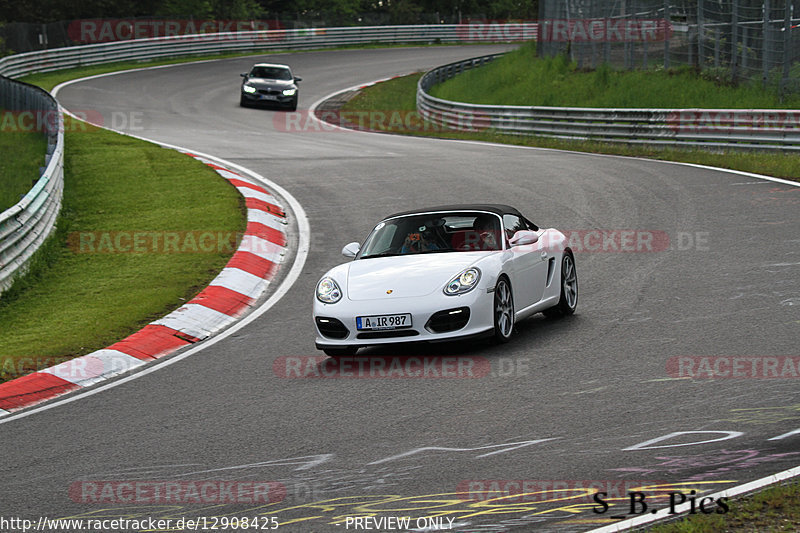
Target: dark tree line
343,11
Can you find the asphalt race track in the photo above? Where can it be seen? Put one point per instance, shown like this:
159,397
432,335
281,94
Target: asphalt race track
591,400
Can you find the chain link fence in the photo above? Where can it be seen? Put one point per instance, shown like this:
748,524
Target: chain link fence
732,40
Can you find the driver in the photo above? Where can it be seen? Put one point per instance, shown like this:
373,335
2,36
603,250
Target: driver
487,235
418,241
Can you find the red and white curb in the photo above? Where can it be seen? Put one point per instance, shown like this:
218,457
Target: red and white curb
233,292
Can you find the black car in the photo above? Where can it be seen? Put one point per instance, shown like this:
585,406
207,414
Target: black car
270,85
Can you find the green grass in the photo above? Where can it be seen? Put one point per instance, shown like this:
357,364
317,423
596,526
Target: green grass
76,302
776,509
394,101
23,154
522,78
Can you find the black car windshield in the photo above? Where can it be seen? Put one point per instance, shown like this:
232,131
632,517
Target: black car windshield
434,233
271,73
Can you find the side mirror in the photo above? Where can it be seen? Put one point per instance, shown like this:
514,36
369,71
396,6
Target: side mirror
296,79
351,249
523,237
243,74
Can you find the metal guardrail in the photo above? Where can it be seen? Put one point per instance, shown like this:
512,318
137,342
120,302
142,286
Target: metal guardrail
245,41
24,226
706,128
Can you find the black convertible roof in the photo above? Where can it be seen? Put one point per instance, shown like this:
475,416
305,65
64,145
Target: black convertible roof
498,209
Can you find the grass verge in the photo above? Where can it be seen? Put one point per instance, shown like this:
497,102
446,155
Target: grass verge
522,78
23,154
391,107
776,509
78,299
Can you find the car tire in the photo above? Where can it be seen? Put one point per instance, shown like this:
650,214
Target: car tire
503,311
293,106
346,351
568,298
242,101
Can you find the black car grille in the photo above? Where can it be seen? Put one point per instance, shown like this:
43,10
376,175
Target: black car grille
269,91
389,334
448,320
331,328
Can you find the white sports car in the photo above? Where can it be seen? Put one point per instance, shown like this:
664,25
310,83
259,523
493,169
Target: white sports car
444,273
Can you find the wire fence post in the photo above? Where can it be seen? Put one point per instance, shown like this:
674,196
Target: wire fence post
787,44
700,44
745,36
766,40
667,26
734,39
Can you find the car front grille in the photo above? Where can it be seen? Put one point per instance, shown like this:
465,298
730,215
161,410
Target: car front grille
448,320
269,91
331,328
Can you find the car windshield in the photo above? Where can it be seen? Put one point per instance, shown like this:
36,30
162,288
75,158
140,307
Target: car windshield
271,73
434,233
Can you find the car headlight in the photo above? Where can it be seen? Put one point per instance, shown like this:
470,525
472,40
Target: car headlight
464,282
328,291
248,89
289,92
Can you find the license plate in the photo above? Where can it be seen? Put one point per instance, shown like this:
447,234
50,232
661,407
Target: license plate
383,321
269,97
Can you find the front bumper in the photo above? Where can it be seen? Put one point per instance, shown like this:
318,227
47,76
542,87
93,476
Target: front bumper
269,99
433,318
